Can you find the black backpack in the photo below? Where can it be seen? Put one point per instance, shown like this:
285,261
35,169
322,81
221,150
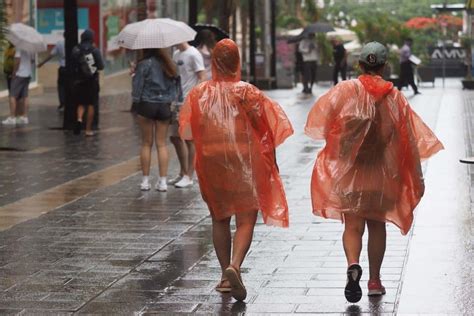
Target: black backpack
84,63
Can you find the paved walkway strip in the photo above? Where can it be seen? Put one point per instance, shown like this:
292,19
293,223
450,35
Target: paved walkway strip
41,203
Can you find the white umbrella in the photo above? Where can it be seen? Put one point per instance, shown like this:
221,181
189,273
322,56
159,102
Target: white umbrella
353,46
344,34
26,38
155,33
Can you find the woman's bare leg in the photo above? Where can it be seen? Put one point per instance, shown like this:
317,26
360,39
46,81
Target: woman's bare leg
161,134
352,237
146,127
80,112
191,153
376,247
222,240
90,118
245,223
180,148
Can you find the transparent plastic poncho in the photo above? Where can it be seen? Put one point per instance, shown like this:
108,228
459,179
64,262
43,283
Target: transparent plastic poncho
371,163
236,129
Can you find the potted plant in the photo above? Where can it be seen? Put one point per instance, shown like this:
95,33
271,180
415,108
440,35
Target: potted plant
468,82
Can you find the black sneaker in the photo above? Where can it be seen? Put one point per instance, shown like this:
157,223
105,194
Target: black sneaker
353,292
77,127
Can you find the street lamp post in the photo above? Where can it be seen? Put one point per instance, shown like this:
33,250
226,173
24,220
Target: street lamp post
253,46
193,12
70,38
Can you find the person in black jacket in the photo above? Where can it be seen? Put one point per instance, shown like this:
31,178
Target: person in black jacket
340,59
87,61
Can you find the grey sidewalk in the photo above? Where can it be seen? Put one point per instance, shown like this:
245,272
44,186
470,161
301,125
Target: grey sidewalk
119,251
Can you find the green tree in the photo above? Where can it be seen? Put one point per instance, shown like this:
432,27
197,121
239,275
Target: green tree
402,10
381,28
294,14
3,21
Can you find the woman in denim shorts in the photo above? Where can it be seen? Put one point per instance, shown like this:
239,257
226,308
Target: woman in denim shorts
154,89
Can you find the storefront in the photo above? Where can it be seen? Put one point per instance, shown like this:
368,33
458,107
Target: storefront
115,14
105,17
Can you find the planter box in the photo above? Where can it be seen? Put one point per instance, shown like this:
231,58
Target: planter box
468,84
426,74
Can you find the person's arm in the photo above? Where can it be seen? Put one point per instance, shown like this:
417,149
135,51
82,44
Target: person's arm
199,69
186,116
201,75
275,118
45,60
99,62
138,81
52,53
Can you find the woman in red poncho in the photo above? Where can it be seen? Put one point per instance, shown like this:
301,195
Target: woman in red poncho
236,129
369,172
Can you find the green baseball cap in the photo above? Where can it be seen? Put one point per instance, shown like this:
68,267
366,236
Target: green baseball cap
373,54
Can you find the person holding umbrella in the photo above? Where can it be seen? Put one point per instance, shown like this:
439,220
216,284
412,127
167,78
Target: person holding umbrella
154,89
236,129
309,52
206,45
8,66
155,86
340,59
207,37
21,76
27,42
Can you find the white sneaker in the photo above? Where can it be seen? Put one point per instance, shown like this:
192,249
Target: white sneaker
145,186
175,179
22,120
9,121
161,186
184,182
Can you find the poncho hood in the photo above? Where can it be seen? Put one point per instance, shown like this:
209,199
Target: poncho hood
376,86
226,61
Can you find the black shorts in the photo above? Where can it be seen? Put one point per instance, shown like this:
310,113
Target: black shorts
154,111
87,92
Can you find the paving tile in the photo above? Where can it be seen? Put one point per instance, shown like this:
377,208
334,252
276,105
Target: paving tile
164,308
106,308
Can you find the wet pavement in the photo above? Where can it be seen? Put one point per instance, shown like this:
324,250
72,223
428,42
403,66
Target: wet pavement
104,247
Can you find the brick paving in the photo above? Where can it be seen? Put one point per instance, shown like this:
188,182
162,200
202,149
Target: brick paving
45,157
121,251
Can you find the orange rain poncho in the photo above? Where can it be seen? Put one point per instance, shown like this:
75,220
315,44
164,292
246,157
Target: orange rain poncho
370,165
236,128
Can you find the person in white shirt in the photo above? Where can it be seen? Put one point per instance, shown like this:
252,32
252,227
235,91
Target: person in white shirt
19,88
192,72
309,51
60,52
